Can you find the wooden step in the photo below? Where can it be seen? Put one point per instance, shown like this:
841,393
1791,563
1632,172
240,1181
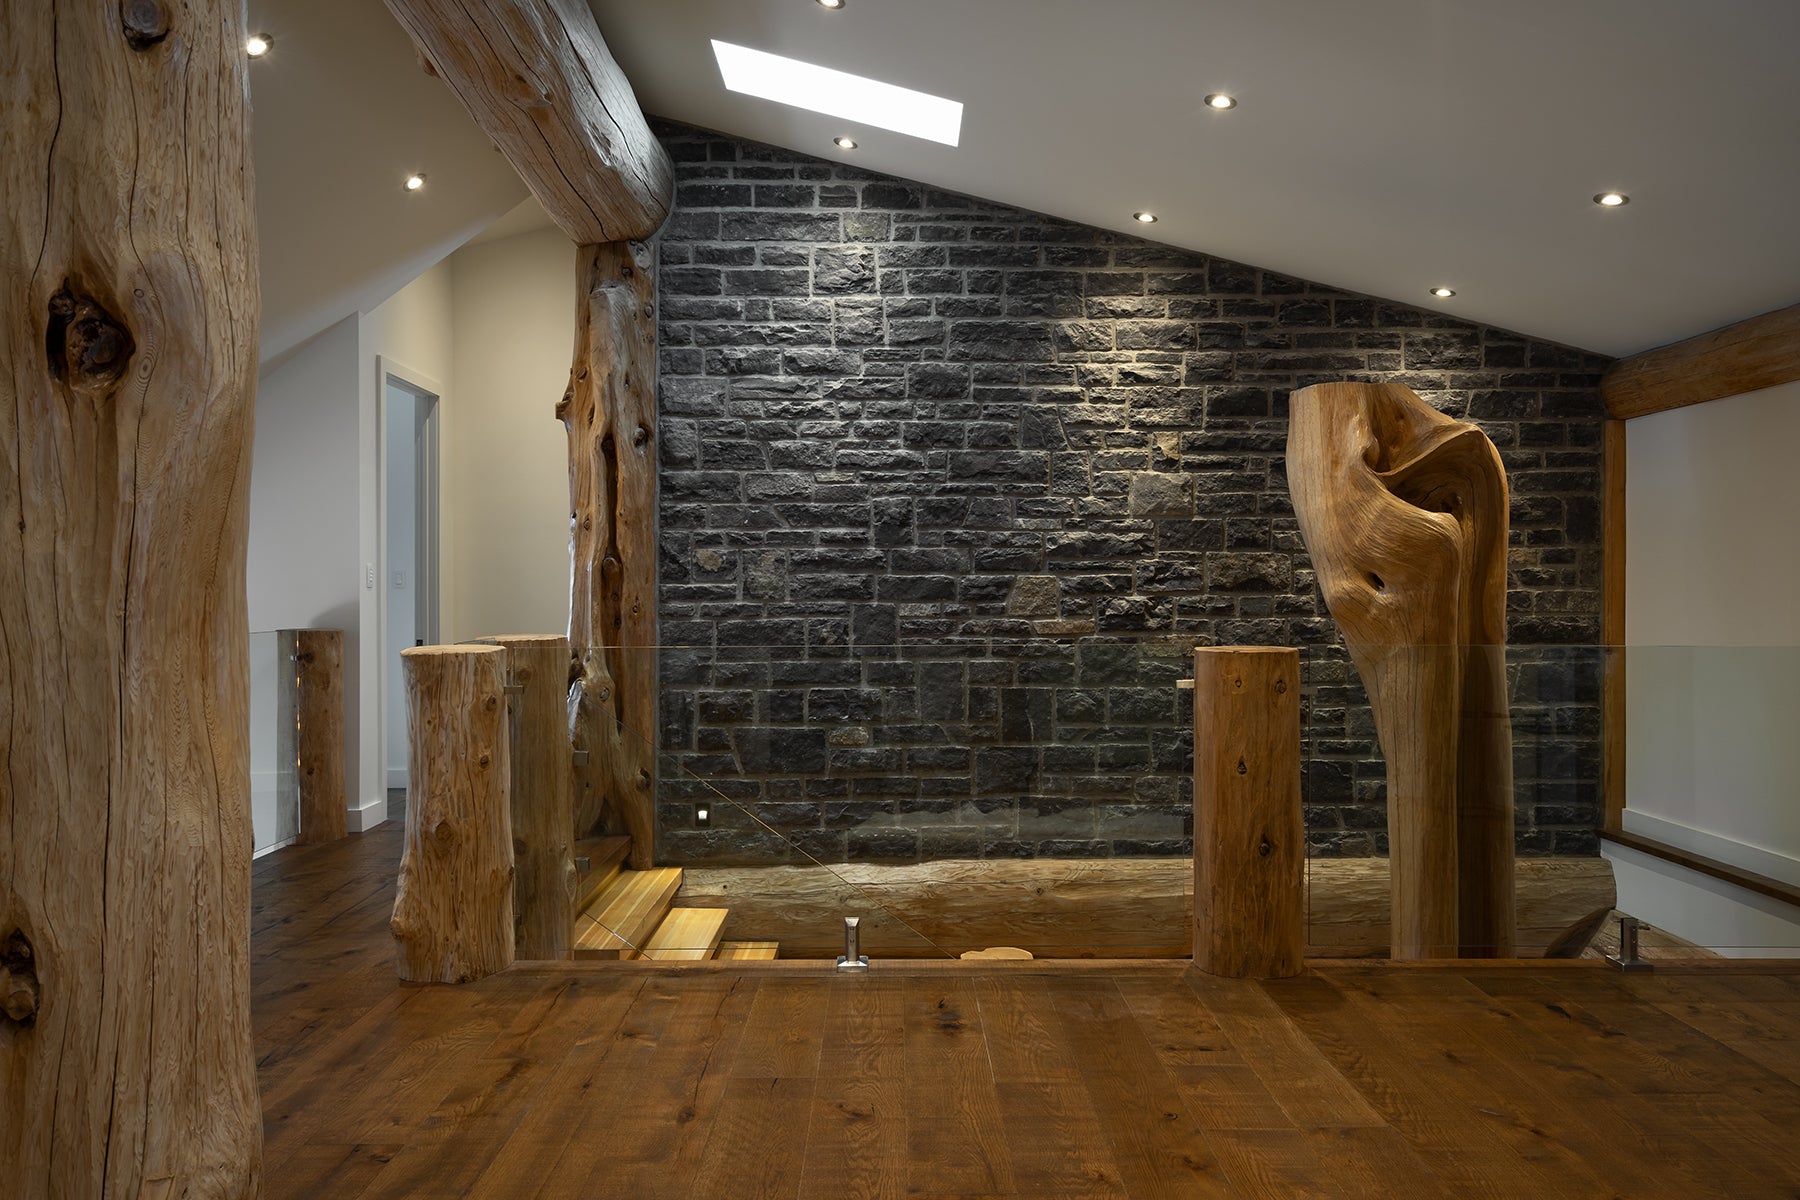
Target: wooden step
627,911
747,950
686,933
605,856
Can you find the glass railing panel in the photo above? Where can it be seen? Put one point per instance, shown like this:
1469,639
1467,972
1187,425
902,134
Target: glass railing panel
274,782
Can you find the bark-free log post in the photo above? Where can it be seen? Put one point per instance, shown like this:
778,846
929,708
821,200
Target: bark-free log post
319,734
1249,840
453,916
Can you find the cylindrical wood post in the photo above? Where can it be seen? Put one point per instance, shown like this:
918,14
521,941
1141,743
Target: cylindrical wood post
1249,844
543,783
128,327
453,917
319,734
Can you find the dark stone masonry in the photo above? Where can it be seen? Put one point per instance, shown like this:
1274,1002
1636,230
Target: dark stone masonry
950,490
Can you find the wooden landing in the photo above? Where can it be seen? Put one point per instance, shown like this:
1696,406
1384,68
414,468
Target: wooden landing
1015,1079
748,951
1089,908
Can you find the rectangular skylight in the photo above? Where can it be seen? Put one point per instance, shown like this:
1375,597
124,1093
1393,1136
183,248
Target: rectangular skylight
839,93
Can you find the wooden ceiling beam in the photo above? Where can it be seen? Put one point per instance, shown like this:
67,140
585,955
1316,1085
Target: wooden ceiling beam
537,78
1753,354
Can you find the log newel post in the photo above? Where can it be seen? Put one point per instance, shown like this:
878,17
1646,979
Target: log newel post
1249,840
319,734
128,344
453,915
543,816
1404,512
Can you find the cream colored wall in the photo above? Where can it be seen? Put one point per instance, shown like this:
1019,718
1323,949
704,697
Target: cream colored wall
514,326
1713,624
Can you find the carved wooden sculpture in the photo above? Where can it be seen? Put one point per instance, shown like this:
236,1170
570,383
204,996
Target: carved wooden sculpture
128,322
1404,511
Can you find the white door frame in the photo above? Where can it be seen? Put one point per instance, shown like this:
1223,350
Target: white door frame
428,479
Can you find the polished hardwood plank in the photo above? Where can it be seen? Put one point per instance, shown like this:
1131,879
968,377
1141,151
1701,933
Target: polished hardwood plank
1005,1079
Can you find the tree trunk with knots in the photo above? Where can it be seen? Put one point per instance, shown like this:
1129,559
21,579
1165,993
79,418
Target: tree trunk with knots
128,335
610,413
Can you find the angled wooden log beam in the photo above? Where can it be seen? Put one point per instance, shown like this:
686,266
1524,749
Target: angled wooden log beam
610,413
1751,355
128,329
1404,512
537,78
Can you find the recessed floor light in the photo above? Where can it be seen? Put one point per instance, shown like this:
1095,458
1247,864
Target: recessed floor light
1220,101
414,182
1443,293
844,143
258,44
1147,218
839,93
1612,199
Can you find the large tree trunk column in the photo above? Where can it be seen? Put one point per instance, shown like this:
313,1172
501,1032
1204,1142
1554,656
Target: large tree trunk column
610,413
128,323
1404,511
543,819
453,914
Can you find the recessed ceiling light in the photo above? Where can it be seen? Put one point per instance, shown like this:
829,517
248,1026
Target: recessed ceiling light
258,44
839,93
831,3
1443,293
1220,101
844,143
1147,218
414,182
1612,199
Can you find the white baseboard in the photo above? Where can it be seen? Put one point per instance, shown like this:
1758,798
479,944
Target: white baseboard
396,777
272,849
372,813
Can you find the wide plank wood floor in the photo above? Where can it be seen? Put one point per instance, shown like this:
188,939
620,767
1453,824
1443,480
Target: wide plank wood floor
997,1079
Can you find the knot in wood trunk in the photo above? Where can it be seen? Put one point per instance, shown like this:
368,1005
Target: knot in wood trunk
19,990
86,345
146,22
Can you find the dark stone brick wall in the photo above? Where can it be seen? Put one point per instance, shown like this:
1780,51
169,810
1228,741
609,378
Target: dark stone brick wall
949,491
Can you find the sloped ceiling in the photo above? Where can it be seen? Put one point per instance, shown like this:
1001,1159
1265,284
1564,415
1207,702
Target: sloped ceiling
1383,146
342,114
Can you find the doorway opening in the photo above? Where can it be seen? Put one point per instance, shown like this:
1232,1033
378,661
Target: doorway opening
408,575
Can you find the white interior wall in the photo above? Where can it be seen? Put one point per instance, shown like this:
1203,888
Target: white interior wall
303,568
514,335
1713,669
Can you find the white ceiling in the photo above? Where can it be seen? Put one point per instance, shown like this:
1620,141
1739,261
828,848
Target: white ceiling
342,113
1382,146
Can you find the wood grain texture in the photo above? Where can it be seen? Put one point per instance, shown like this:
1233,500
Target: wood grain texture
537,78
610,413
128,343
1249,840
1405,512
1063,908
543,789
453,911
1451,1079
319,734
1612,624
1752,354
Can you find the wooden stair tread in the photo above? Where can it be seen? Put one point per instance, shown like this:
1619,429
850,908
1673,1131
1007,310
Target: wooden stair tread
605,857
622,917
747,950
686,933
